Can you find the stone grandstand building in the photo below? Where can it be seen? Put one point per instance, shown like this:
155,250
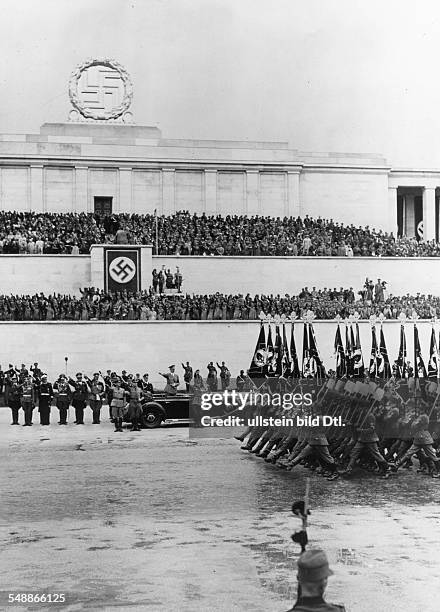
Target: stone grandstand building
100,161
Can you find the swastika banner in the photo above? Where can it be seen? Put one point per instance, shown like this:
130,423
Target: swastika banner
122,269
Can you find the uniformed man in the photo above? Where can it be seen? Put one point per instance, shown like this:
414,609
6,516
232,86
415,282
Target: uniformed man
147,387
118,403
36,372
134,406
240,381
63,395
23,373
422,441
172,380
313,573
368,441
317,444
14,399
45,395
188,376
96,397
81,391
28,397
10,375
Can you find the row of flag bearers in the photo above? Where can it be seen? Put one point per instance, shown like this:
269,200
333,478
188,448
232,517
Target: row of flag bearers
275,357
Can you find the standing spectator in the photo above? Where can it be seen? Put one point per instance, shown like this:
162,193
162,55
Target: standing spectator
378,292
187,377
225,375
178,279
155,281
161,280
211,380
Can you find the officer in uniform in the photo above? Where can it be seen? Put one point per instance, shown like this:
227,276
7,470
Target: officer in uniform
118,404
63,397
28,396
134,407
172,380
10,375
146,386
14,398
97,391
45,395
79,397
313,572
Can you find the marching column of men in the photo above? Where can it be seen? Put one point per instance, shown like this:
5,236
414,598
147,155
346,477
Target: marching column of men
380,438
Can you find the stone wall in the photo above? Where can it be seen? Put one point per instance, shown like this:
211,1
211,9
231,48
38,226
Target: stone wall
29,274
153,345
290,274
23,274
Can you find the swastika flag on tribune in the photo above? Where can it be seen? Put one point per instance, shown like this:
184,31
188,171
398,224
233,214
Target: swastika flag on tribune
122,269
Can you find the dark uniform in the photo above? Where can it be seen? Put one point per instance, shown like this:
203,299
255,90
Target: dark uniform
97,392
45,395
14,400
367,441
28,396
79,398
225,375
63,397
313,569
134,413
188,376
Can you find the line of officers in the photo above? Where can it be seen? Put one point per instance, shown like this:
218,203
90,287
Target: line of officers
26,390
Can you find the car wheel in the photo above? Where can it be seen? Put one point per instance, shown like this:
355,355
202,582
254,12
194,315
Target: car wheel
152,418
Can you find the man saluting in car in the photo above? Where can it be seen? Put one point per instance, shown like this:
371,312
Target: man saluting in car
172,380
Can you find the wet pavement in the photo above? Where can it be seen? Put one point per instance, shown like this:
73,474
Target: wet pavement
154,520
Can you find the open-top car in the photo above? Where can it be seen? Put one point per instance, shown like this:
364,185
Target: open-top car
165,408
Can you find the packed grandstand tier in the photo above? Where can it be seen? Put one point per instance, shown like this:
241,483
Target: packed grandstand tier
94,304
184,233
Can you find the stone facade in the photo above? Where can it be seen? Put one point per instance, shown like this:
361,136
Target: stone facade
67,165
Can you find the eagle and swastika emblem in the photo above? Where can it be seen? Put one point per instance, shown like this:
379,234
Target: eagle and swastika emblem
122,269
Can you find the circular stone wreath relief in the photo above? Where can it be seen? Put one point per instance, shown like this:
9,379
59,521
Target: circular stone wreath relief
100,89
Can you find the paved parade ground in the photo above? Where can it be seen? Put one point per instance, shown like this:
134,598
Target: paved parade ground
153,520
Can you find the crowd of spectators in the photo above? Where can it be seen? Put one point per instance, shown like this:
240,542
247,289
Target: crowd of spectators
326,303
189,234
